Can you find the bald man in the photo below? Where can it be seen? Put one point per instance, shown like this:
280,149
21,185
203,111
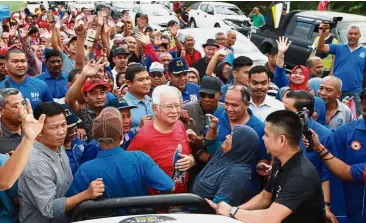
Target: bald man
315,66
231,39
337,113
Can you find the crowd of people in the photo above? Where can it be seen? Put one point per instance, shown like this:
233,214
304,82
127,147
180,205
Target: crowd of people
94,106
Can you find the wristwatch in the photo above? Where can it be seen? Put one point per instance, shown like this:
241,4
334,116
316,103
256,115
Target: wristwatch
233,211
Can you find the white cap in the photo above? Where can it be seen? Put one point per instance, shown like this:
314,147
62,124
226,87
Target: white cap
156,67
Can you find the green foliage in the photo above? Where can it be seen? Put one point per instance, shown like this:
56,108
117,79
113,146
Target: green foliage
348,7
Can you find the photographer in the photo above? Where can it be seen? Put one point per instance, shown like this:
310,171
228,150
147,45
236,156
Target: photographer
297,101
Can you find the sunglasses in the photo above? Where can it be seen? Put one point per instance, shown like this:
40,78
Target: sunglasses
204,95
156,74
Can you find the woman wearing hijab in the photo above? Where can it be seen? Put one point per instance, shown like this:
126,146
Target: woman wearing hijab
297,80
314,84
320,113
222,72
227,176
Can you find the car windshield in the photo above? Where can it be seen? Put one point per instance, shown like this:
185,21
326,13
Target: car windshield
342,29
228,10
123,4
156,10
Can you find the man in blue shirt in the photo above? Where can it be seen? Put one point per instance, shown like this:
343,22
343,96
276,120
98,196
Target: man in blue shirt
178,70
139,84
33,89
295,101
124,174
55,79
241,67
349,63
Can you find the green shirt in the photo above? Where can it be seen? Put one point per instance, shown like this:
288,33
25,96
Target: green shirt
257,20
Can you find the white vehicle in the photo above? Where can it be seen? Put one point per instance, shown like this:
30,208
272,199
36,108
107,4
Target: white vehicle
159,15
243,46
81,4
217,14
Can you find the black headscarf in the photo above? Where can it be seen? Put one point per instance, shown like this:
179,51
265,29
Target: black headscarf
229,174
218,72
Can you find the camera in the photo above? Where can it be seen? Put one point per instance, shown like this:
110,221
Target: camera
304,117
333,23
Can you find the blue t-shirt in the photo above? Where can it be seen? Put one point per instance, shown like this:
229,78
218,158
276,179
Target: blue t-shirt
349,141
32,88
349,66
190,92
125,174
58,87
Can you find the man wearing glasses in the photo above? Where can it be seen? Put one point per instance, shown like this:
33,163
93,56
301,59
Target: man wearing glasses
156,73
164,139
178,71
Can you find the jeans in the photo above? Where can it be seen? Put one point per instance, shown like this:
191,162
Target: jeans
356,98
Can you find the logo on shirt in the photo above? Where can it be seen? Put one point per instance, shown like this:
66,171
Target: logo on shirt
278,191
193,97
34,96
362,55
178,176
356,145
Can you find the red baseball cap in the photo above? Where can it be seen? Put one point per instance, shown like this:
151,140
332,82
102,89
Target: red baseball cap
90,84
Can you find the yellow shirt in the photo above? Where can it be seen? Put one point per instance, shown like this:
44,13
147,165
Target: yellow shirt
327,61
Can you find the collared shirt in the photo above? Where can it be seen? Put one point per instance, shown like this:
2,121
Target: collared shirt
143,107
125,174
43,185
268,106
68,64
192,58
349,65
296,185
195,111
350,144
87,116
58,86
8,139
341,116
8,210
190,92
32,88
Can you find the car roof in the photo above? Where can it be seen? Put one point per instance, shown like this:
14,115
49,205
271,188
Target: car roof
219,3
329,15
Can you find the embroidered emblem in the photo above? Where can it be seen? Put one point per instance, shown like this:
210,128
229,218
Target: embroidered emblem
356,145
179,63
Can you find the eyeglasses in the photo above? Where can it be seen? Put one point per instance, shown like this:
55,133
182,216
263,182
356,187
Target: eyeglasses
156,74
204,95
170,107
245,92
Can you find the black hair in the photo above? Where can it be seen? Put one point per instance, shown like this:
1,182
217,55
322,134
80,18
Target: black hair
2,57
289,122
52,53
303,99
273,51
50,109
132,70
242,61
171,23
163,45
117,77
363,94
11,51
257,70
72,74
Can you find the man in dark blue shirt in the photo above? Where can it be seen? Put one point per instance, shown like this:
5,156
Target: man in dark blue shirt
33,89
124,174
178,70
55,79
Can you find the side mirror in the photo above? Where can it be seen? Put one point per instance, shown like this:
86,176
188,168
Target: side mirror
210,12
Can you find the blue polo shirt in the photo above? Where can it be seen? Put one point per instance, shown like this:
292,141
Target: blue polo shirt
349,65
350,144
143,108
125,174
358,172
224,90
58,86
32,88
325,138
190,92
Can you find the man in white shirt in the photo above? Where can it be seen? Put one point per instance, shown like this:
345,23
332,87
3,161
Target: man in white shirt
262,104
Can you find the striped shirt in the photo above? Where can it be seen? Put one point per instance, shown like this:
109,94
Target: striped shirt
43,185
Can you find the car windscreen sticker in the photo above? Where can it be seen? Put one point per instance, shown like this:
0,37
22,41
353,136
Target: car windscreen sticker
148,219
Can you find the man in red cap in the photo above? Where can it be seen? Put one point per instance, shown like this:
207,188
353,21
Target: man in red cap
94,93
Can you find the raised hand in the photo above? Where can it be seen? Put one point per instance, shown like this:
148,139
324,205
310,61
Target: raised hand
24,33
283,44
144,39
13,30
125,17
81,28
105,12
223,52
100,19
174,30
31,127
324,29
44,33
191,135
213,120
92,68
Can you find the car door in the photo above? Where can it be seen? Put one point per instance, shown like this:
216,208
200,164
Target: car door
301,34
200,15
134,11
209,17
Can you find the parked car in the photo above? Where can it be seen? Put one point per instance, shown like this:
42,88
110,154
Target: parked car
81,4
116,8
167,4
242,47
159,15
218,14
301,27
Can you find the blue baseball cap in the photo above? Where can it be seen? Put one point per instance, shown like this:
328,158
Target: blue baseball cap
120,103
71,118
177,65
